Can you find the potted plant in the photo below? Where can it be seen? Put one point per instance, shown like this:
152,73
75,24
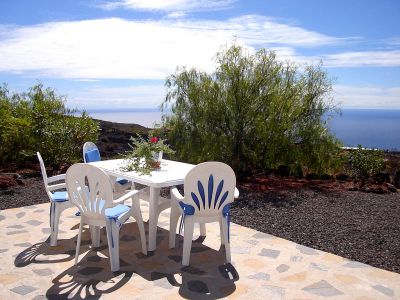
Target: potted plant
145,155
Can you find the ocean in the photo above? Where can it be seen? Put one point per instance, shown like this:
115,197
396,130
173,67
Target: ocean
371,128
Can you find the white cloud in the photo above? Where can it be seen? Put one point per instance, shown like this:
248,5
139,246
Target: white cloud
168,5
367,97
133,97
389,58
116,48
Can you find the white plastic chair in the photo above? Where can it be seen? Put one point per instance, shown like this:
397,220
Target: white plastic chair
90,189
58,199
91,154
209,188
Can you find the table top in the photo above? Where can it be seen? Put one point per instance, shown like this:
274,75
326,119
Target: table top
171,172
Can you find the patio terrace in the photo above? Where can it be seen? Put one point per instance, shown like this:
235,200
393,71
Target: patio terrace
264,266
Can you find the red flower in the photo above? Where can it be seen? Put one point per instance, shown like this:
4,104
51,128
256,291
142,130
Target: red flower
154,139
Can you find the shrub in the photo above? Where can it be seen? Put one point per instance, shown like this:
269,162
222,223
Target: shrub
364,163
39,121
252,111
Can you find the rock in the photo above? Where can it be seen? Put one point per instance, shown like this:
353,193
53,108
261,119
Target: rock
354,188
391,188
379,190
342,177
326,177
396,181
283,171
366,189
7,181
312,176
381,177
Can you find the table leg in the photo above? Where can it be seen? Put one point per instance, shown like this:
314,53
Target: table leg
153,216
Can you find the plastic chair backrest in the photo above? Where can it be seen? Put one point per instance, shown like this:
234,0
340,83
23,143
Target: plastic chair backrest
209,187
43,169
90,189
89,146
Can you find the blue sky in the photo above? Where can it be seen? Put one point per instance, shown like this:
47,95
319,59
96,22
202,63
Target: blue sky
105,54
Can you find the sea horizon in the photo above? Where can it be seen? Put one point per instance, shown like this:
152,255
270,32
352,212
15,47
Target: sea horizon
371,128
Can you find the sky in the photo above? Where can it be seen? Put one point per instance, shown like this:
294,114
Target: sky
116,54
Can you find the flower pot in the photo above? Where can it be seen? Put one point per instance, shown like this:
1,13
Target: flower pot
155,165
157,156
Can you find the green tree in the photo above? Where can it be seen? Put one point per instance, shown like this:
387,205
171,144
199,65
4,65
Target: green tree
38,120
252,111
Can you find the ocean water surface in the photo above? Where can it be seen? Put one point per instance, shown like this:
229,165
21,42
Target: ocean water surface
372,128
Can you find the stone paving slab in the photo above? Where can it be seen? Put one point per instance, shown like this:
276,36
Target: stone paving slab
263,267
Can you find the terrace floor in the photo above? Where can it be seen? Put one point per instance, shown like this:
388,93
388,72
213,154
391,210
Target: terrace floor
264,266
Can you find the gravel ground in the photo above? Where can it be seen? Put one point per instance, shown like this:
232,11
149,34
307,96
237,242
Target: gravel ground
361,226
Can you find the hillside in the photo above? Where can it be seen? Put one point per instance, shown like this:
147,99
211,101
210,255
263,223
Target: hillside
114,137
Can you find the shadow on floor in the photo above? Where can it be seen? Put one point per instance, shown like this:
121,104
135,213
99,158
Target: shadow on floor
208,277
43,253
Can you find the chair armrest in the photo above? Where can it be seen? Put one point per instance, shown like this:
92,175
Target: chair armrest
236,194
58,186
175,194
56,178
126,196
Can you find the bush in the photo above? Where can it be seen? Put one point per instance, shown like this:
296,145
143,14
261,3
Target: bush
39,121
364,163
252,111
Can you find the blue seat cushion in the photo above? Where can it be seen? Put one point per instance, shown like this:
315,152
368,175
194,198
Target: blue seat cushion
59,196
122,181
116,211
92,155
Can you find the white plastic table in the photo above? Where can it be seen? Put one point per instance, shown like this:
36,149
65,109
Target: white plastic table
171,173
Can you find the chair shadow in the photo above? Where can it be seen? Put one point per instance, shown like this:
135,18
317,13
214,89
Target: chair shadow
43,253
208,277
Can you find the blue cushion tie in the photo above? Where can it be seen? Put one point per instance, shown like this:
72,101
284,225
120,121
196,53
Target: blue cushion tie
52,213
92,155
187,210
227,216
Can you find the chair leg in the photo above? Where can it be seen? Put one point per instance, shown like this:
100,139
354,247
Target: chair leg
78,242
203,231
227,243
113,244
173,222
221,232
95,235
187,240
137,214
55,213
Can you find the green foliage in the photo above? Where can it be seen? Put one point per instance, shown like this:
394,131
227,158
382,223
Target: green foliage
141,157
38,120
364,163
252,111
